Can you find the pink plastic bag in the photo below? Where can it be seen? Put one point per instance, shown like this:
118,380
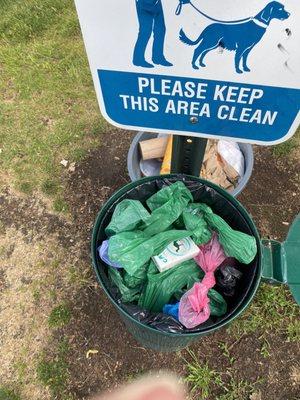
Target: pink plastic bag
210,257
194,306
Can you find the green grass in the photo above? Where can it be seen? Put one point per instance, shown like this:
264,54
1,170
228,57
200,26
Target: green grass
52,371
59,316
48,109
273,309
223,346
50,187
59,205
265,349
20,367
237,390
293,331
25,187
200,377
205,381
79,276
53,374
284,149
8,394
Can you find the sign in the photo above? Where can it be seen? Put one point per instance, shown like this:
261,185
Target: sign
227,69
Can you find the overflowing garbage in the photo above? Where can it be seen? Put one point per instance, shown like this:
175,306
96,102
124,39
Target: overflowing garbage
173,263
223,163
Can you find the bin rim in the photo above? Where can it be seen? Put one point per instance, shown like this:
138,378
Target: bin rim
246,148
123,190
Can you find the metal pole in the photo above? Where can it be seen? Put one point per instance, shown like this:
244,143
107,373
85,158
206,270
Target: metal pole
188,154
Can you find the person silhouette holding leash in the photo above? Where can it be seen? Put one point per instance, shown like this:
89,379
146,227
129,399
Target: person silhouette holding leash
151,20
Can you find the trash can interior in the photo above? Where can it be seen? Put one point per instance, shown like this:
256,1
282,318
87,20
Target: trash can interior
220,202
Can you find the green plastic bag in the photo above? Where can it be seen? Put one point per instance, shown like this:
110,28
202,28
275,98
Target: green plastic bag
238,245
217,304
197,225
127,216
162,286
165,194
128,295
132,250
139,278
166,205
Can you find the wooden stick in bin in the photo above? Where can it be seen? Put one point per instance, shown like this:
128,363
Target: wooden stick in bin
153,148
166,165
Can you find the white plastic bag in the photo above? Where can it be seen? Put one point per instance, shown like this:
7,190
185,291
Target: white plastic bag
231,153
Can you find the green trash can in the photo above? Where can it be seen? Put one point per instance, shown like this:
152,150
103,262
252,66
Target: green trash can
276,262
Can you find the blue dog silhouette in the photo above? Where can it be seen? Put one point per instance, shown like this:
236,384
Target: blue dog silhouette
240,37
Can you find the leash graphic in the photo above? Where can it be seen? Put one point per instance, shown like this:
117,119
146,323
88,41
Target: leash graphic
182,2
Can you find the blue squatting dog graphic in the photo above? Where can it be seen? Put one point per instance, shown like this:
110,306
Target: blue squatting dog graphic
151,20
238,36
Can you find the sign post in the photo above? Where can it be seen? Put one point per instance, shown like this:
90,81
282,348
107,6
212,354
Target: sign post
193,68
187,154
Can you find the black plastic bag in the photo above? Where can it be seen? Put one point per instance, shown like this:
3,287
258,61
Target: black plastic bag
227,278
160,321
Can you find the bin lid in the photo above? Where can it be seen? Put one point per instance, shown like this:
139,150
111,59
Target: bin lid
292,254
281,261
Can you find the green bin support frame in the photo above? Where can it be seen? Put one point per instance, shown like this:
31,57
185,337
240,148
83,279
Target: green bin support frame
281,261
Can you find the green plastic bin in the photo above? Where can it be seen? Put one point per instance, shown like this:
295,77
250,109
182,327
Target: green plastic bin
276,262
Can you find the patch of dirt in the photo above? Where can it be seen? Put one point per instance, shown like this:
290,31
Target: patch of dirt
97,326
102,172
273,194
295,374
271,370
23,325
270,197
38,249
30,216
269,375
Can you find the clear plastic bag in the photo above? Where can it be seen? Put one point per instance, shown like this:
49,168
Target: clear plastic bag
232,154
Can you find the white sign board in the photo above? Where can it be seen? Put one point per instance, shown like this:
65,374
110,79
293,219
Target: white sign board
217,68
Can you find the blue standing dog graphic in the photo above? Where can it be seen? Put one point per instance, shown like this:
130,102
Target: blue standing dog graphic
240,37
